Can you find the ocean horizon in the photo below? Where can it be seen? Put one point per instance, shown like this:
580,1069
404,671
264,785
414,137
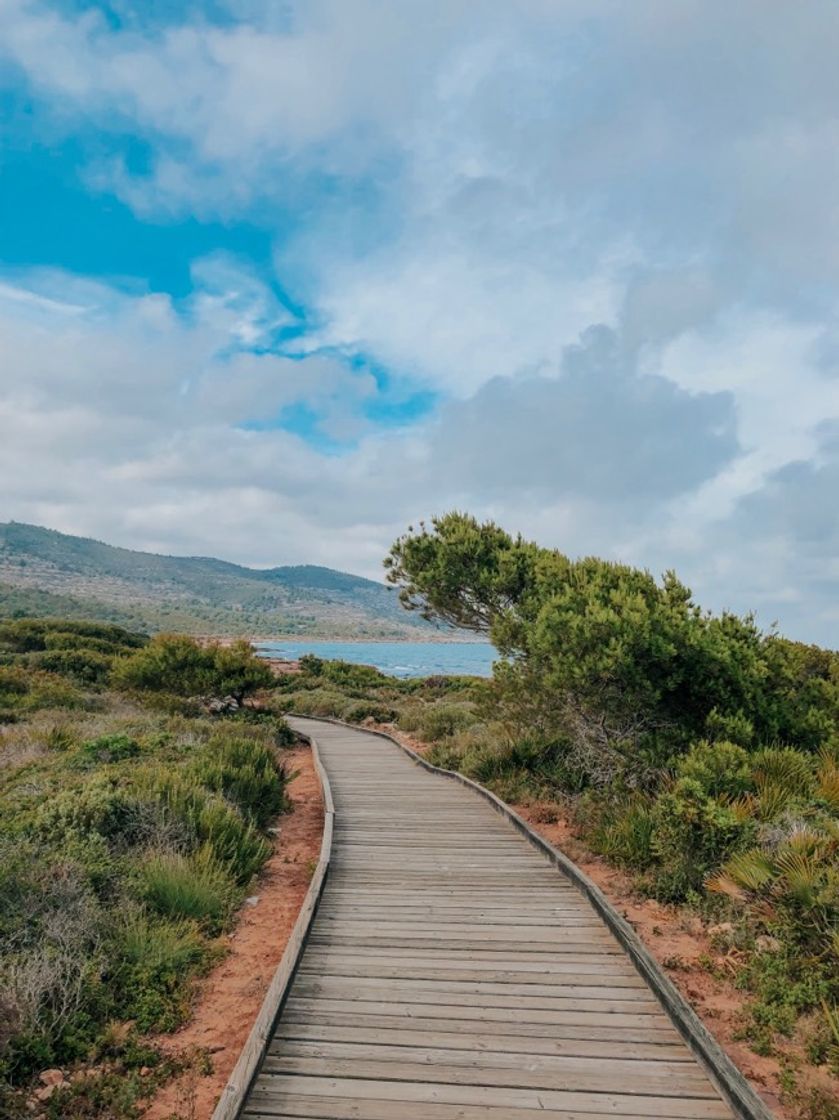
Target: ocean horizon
397,659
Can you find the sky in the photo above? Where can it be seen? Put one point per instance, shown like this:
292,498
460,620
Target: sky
279,279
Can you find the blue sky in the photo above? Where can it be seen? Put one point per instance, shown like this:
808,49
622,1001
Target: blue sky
277,280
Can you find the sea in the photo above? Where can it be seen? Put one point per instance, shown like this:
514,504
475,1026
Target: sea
398,659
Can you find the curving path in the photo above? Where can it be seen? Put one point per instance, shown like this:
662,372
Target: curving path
453,973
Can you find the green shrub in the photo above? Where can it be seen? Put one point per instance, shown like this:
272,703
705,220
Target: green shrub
85,667
440,721
692,835
110,748
98,808
27,635
246,773
234,842
196,888
173,663
361,710
721,769
733,727
14,682
621,829
319,702
154,960
345,674
59,738
266,719
544,768
785,767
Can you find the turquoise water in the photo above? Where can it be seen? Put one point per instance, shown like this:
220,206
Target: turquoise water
399,659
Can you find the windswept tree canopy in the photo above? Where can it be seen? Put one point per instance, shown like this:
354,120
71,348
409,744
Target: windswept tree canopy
609,643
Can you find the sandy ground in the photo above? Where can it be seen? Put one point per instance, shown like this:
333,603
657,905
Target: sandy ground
681,944
230,997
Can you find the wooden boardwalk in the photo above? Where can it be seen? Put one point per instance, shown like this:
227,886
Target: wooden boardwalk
452,973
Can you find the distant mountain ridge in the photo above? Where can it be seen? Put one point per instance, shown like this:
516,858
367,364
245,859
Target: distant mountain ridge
44,571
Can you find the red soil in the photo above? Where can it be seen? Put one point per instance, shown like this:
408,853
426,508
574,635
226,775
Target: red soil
229,998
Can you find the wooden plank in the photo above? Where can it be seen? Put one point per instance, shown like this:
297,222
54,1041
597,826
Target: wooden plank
406,1035
435,1009
654,1033
278,1086
406,1063
477,993
314,967
354,1108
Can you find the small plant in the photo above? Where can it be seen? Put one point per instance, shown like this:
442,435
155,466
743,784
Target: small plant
721,769
247,774
196,888
622,830
59,738
155,958
110,748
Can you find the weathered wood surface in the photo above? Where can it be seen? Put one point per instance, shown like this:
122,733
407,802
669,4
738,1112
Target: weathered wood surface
451,973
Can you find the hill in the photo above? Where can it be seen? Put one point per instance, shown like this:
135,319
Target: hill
44,572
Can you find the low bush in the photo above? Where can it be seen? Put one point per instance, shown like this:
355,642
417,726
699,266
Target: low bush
110,748
27,635
619,828
361,710
126,837
720,769
347,675
196,888
692,835
317,702
174,663
246,773
435,722
83,666
234,842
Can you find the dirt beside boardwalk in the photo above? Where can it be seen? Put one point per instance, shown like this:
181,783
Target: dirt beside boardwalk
230,997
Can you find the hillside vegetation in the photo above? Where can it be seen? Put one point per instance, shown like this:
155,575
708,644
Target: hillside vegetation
131,823
45,573
690,749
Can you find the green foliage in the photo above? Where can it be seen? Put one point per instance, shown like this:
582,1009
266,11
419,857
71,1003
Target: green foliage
233,841
85,667
785,767
110,748
345,674
734,727
40,634
797,882
99,807
602,651
245,772
721,769
362,710
126,837
196,888
177,664
25,690
435,722
693,833
620,828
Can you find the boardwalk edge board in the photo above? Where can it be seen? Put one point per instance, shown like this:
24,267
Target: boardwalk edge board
728,1079
232,1099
